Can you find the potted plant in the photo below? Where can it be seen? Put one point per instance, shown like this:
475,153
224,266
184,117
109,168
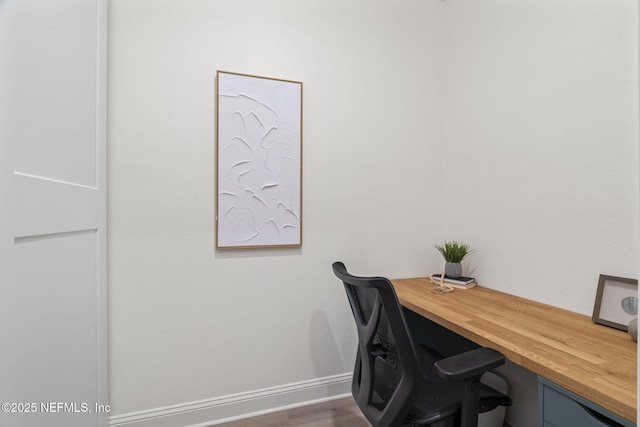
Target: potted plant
453,252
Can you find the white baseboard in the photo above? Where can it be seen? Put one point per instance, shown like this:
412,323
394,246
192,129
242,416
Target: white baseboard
208,412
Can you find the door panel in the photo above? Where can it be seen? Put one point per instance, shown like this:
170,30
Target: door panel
53,212
52,87
54,304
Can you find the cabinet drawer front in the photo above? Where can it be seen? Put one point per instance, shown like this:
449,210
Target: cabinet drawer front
561,410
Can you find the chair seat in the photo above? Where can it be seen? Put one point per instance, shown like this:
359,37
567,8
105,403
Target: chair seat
439,398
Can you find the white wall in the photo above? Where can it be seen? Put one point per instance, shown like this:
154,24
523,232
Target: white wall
541,149
530,108
541,143
188,322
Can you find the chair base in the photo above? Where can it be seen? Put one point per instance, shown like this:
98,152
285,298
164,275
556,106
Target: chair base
449,422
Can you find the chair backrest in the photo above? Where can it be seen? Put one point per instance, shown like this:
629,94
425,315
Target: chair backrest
387,376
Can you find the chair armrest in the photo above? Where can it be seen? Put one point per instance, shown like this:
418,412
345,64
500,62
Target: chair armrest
470,364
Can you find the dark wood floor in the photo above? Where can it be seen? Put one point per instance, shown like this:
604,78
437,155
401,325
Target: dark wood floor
335,413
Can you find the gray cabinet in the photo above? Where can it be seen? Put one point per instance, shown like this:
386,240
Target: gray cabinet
558,407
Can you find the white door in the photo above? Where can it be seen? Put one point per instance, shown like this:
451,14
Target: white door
53,359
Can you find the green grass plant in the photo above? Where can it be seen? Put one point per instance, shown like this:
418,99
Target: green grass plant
453,251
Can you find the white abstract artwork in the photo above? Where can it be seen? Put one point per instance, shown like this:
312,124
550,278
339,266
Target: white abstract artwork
259,161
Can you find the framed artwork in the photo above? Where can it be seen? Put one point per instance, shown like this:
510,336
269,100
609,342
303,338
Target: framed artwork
608,308
258,161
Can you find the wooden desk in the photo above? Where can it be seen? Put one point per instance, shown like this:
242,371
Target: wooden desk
594,361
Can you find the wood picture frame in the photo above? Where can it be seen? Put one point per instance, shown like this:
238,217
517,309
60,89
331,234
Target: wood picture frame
607,309
258,162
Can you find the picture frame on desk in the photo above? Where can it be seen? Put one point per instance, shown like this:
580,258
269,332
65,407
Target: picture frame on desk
608,309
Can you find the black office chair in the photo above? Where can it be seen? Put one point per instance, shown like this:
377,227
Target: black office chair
397,383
